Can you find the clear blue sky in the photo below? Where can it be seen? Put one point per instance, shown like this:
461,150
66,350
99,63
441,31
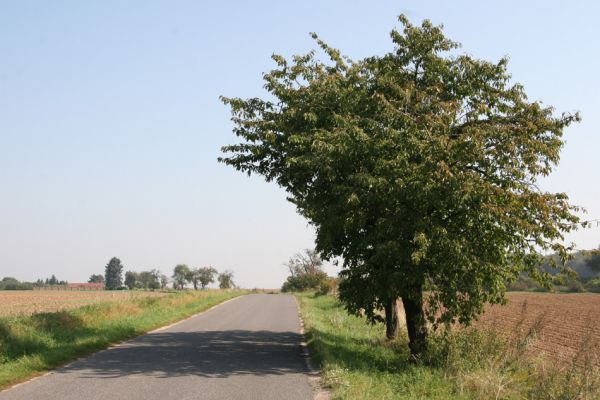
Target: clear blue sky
110,123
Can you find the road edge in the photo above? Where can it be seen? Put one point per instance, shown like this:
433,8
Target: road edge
314,374
119,344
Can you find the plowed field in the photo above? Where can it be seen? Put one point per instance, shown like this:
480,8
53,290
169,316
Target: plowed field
567,324
28,302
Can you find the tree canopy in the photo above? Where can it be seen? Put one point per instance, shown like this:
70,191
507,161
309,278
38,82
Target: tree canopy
418,168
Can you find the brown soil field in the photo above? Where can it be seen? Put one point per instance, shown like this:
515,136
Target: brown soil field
29,302
566,326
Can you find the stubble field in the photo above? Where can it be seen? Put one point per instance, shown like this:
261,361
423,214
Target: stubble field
27,302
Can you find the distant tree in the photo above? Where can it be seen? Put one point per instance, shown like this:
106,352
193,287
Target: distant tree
206,275
131,279
9,283
193,276
306,272
226,280
156,275
96,278
113,275
164,281
53,280
594,260
181,275
8,280
308,262
149,279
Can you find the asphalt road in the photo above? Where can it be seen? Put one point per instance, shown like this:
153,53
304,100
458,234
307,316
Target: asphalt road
247,348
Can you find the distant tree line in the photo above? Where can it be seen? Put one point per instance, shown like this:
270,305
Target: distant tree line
202,276
10,283
153,279
582,274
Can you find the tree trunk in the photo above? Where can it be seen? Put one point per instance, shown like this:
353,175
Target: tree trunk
391,319
415,322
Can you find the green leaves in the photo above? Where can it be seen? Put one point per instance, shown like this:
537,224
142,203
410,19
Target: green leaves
418,168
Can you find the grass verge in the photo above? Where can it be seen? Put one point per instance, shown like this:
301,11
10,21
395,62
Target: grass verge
357,362
31,345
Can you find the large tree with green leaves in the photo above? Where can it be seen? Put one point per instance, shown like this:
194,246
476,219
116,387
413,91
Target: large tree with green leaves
417,167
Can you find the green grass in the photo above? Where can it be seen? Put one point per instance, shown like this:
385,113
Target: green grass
31,345
357,362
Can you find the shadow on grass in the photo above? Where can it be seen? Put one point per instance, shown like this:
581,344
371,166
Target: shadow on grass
55,338
358,354
13,345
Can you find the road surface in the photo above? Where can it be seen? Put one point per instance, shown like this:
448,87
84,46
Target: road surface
247,348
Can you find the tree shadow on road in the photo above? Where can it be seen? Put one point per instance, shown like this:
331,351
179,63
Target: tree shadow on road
209,354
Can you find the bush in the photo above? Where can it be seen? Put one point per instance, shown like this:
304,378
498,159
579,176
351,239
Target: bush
303,282
9,283
523,283
593,285
573,286
327,286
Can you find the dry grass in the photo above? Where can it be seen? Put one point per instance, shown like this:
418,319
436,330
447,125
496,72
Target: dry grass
539,346
31,344
28,302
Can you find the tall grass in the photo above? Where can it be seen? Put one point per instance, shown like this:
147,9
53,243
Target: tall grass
30,345
358,363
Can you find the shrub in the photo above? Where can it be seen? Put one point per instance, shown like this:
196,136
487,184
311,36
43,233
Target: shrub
574,286
327,286
303,282
523,283
593,285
